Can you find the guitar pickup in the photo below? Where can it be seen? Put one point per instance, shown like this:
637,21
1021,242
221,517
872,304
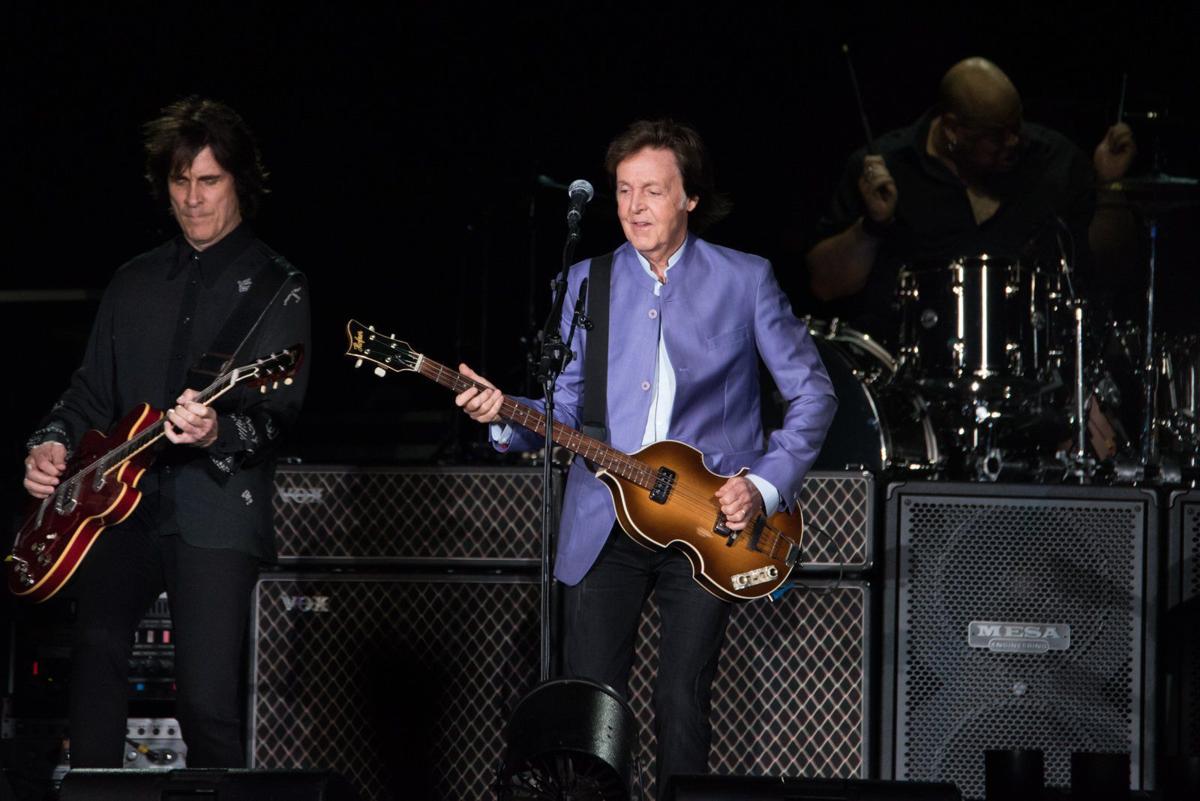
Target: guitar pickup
664,482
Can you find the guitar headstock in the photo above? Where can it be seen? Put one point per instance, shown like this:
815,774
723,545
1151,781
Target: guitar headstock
270,371
387,353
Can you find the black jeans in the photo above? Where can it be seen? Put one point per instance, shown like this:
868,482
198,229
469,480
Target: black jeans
209,594
601,616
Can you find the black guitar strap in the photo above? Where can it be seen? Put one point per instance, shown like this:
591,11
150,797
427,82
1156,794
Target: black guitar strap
242,322
595,364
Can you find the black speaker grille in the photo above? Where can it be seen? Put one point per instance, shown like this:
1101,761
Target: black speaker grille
839,518
331,513
326,513
789,695
1047,561
402,684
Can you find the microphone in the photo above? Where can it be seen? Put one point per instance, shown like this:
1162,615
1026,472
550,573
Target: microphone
579,192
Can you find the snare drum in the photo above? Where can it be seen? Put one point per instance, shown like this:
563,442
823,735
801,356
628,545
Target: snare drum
879,425
979,320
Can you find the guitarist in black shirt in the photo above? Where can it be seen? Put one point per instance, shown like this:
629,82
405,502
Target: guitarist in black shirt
168,321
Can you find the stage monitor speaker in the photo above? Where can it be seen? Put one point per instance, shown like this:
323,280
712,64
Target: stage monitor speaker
205,785
754,788
402,683
791,695
1018,617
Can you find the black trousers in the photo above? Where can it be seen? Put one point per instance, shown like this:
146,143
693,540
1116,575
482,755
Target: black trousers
209,594
601,616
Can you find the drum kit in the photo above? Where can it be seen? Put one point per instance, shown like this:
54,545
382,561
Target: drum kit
999,375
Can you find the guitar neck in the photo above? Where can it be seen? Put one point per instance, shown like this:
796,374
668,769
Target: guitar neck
590,448
153,432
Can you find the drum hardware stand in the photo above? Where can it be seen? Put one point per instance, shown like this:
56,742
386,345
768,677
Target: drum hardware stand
1149,435
1080,465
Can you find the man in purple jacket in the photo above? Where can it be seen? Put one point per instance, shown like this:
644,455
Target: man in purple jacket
688,323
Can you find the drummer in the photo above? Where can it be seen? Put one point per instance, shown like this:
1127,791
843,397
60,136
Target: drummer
969,177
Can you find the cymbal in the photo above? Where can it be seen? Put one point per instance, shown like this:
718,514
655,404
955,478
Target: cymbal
1157,191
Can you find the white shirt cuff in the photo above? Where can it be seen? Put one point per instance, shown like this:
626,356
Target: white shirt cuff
770,495
501,435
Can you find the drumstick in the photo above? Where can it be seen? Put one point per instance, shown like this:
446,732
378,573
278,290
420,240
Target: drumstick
1121,103
862,112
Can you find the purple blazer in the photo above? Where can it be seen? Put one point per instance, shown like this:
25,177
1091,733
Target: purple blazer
721,310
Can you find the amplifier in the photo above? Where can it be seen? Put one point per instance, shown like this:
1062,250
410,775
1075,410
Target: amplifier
330,515
340,514
1018,616
792,694
403,683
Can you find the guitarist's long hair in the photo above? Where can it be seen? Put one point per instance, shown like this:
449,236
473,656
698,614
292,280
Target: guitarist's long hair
174,138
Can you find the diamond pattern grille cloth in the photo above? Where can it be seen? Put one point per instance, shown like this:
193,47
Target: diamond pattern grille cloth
404,685
336,512
474,513
788,698
1034,561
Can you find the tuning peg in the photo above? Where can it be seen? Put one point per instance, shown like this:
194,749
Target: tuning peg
379,371
358,362
275,385
262,390
370,328
287,382
392,335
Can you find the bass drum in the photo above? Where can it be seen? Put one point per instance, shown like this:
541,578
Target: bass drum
880,424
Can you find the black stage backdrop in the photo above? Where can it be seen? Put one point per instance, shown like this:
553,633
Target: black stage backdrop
406,143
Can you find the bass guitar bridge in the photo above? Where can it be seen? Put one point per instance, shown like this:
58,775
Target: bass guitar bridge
664,482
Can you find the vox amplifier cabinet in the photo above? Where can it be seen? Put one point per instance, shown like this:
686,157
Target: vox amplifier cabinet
339,514
345,515
792,692
402,683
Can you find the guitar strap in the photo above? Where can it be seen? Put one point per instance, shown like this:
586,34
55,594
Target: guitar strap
242,322
595,365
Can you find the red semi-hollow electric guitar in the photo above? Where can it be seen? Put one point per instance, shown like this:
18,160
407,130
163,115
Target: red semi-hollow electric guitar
664,494
99,487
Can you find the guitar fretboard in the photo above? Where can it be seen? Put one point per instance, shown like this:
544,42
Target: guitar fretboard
590,448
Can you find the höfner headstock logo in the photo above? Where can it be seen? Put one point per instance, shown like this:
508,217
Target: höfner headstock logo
1018,638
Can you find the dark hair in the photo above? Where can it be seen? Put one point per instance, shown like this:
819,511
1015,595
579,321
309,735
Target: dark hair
186,127
690,155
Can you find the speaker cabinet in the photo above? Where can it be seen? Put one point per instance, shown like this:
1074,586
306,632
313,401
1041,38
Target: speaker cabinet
790,696
1017,617
1183,547
402,683
342,514
1181,652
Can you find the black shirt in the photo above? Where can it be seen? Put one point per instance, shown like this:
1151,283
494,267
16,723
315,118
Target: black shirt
160,313
935,223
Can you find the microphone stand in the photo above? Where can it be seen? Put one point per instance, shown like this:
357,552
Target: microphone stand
555,356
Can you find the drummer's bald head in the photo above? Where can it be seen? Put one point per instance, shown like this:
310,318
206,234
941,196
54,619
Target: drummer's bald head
978,92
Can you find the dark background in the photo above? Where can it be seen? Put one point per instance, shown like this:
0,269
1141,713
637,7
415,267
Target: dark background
405,143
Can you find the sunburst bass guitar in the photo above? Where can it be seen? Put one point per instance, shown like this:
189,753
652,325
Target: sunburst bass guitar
98,489
663,494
